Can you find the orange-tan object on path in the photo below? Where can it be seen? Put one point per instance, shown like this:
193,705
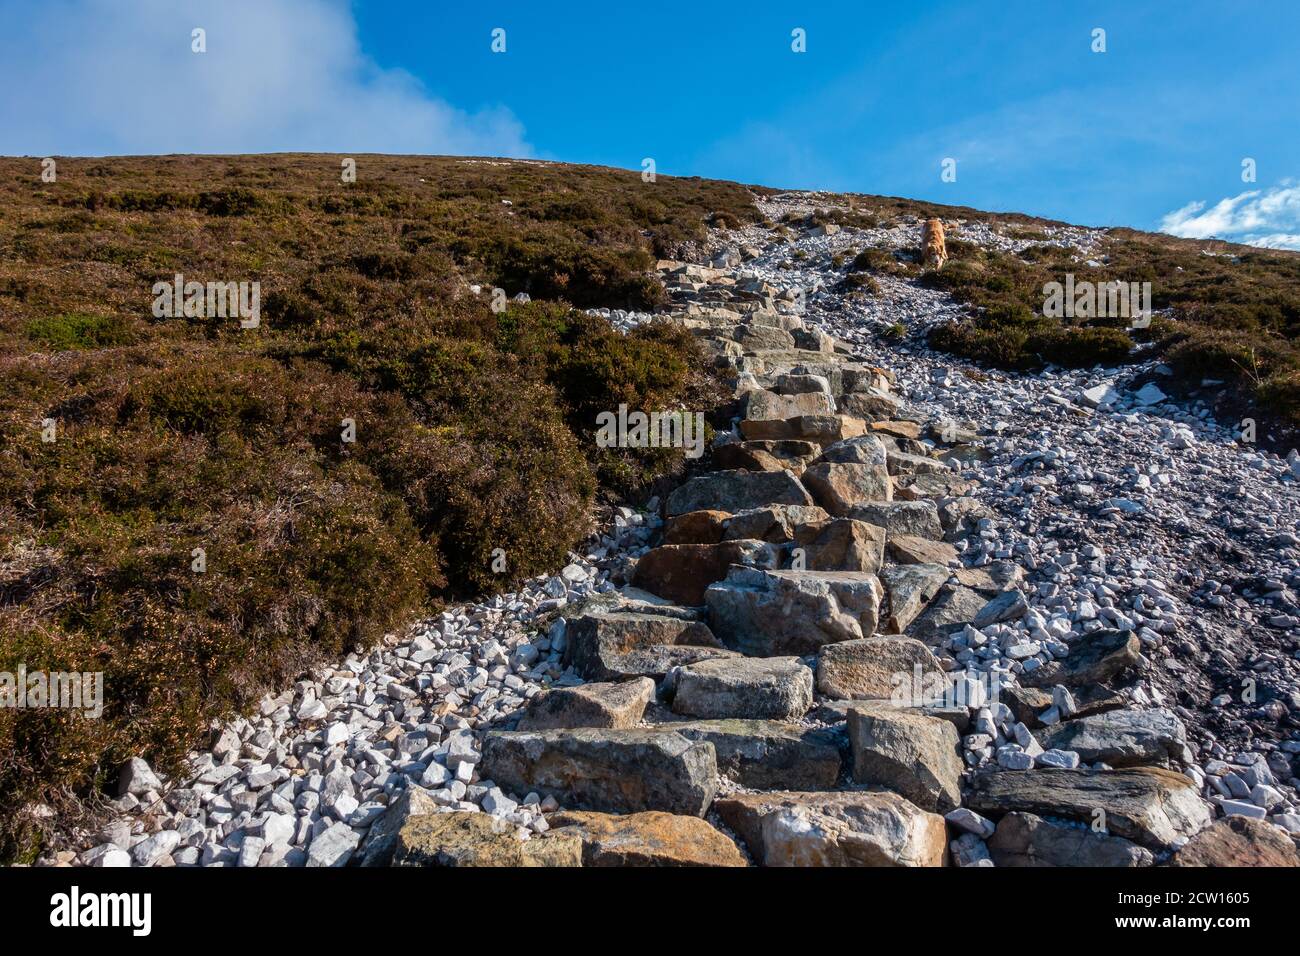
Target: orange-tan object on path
933,252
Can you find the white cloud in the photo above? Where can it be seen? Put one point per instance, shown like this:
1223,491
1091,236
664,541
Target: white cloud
97,77
1258,217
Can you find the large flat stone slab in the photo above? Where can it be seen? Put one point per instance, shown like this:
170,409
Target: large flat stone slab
772,687
906,549
873,667
855,828
734,491
821,430
622,645
770,754
776,523
1121,738
943,485
651,838
613,771
614,705
918,519
760,404
772,613
681,572
1023,839
1148,805
475,839
1095,658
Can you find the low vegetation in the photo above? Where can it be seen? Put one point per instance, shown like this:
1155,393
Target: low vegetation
222,506
1224,312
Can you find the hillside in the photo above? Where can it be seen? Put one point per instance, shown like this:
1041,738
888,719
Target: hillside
1014,490
471,426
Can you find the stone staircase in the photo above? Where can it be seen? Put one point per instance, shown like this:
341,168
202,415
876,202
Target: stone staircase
778,670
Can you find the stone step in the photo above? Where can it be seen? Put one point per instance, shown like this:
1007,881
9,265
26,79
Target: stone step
773,613
771,754
612,771
871,668
620,645
1120,738
476,839
734,491
1148,805
617,705
681,572
835,829
912,754
1022,839
771,687
649,838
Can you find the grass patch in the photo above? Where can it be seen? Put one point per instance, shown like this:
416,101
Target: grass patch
61,332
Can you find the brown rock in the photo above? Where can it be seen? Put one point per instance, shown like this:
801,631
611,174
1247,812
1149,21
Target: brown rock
822,430
765,455
475,839
1238,841
991,579
909,753
909,549
872,406
942,485
743,455
855,828
902,429
736,491
775,523
1023,839
841,544
1149,805
838,487
695,527
619,645
870,668
761,404
590,705
770,754
613,771
682,572
772,613
651,838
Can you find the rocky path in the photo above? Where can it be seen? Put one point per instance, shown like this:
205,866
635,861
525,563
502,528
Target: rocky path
913,614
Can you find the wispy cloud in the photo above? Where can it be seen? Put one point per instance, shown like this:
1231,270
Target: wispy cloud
1269,218
103,76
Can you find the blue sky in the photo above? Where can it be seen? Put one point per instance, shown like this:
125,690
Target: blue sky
1150,133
